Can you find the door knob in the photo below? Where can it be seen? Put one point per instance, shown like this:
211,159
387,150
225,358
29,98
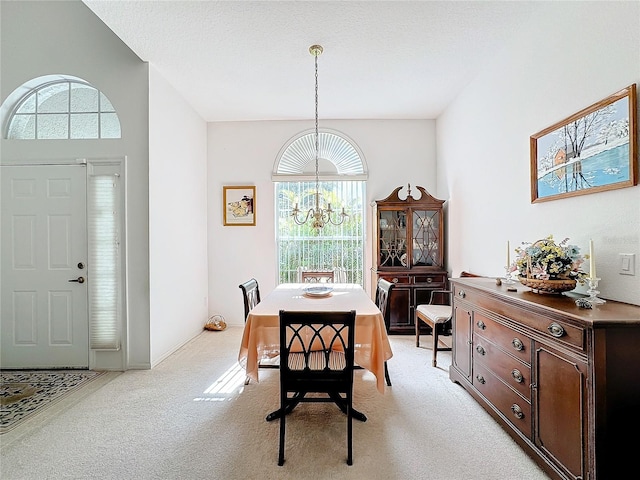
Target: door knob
79,280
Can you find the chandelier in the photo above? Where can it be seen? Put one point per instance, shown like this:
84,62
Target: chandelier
319,217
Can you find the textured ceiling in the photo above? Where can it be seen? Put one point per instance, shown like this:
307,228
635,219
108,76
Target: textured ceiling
249,60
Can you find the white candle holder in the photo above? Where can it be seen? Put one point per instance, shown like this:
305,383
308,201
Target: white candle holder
508,279
593,292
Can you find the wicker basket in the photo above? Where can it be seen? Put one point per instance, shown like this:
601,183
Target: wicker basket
555,285
216,323
548,286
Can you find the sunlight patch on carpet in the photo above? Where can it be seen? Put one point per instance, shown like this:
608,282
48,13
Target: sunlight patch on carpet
228,385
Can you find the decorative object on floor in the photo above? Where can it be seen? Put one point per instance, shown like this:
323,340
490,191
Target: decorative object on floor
592,151
23,393
318,216
548,267
239,205
216,323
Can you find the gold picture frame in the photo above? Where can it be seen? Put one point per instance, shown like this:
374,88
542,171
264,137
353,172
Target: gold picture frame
592,151
239,205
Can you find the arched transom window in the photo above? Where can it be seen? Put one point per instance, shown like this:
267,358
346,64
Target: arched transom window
342,180
59,107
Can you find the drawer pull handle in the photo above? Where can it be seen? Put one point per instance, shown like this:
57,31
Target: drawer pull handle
429,280
556,330
480,379
481,325
517,375
480,349
461,294
517,344
517,411
395,280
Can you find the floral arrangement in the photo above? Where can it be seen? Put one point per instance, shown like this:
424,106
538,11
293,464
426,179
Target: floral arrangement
547,260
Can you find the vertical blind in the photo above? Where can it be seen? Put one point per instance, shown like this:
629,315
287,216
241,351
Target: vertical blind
104,262
335,246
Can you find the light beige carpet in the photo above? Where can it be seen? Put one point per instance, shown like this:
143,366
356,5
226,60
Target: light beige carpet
191,417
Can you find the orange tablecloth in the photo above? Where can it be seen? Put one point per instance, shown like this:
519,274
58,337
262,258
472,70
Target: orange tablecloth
261,337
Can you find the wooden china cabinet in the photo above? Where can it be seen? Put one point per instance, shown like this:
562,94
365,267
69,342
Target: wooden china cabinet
409,251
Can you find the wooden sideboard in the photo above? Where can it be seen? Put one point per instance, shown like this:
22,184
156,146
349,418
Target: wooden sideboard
563,381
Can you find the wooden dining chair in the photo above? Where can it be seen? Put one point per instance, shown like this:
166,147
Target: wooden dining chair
251,297
316,356
437,315
315,276
339,275
383,301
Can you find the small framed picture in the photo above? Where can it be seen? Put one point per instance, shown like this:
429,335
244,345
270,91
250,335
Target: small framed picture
239,205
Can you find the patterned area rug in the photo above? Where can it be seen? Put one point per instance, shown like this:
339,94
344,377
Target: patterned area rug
24,393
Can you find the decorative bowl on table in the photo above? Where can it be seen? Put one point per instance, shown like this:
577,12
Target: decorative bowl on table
317,291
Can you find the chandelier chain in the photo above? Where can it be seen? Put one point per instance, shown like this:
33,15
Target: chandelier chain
317,138
319,217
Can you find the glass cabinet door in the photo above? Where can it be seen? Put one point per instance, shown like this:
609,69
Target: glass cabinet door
426,238
393,238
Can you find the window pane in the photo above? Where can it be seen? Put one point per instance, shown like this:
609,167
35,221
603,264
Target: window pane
83,98
54,99
84,125
105,104
334,245
53,126
63,110
22,127
28,106
109,126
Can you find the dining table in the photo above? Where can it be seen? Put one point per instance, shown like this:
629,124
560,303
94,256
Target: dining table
261,336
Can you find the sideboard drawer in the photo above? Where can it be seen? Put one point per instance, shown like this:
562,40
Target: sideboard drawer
548,327
509,340
510,370
516,409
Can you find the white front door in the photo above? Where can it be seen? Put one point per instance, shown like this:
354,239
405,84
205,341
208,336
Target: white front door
44,321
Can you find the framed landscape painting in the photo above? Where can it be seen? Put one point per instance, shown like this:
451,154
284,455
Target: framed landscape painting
239,205
592,151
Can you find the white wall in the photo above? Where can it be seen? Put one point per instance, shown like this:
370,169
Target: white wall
572,55
396,152
43,38
177,219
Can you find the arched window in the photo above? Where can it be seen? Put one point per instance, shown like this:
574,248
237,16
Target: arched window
342,180
59,107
